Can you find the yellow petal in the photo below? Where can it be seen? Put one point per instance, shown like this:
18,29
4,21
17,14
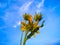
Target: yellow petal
27,17
30,19
35,24
23,28
23,23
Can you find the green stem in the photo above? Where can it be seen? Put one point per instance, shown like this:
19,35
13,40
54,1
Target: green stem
25,39
21,38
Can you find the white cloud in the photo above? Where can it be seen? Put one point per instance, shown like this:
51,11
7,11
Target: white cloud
40,4
15,26
25,6
18,23
52,9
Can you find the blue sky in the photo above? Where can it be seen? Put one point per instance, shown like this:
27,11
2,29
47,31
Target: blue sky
11,15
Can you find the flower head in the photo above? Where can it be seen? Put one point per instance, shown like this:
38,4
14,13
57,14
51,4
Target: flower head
31,26
28,17
38,17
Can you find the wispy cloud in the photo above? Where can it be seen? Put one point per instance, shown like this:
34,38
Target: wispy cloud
18,23
40,6
52,9
25,6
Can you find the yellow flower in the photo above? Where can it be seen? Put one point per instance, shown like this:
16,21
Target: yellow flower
31,27
23,27
28,17
23,23
35,24
38,17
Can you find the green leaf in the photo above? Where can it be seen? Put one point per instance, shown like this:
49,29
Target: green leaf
42,23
